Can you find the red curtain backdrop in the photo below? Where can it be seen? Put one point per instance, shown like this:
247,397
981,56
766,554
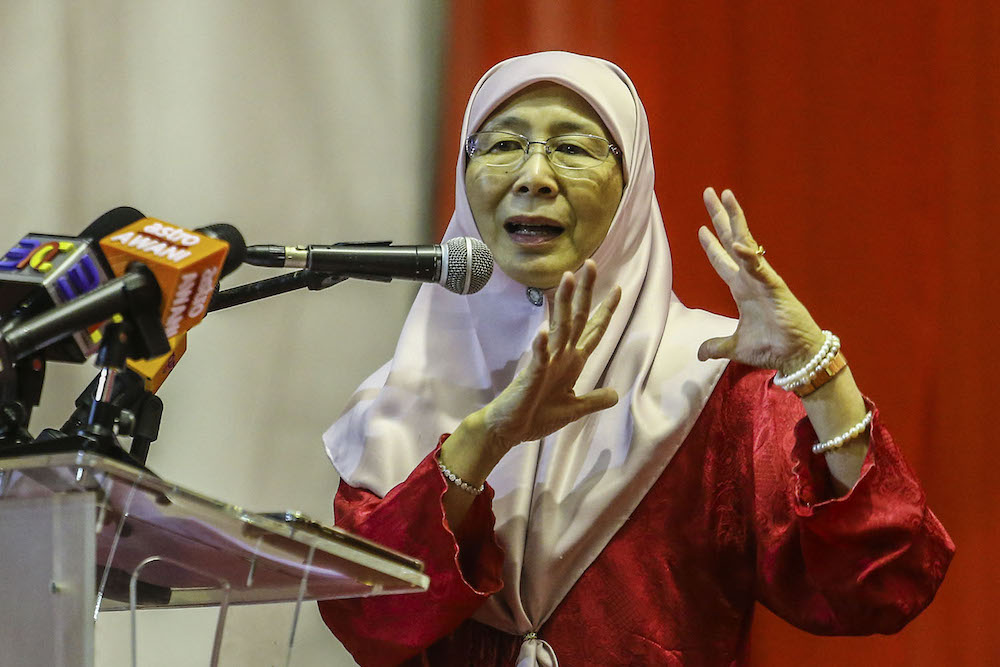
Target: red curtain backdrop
862,140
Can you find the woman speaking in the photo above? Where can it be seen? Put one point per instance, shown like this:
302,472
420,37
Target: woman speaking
593,473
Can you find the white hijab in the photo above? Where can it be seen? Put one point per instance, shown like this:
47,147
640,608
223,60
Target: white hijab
558,501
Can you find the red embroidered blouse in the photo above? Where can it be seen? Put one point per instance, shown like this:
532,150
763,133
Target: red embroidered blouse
743,512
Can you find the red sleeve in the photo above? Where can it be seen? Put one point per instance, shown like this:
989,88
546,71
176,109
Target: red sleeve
864,563
390,629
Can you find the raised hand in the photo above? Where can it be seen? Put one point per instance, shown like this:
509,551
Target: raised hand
541,400
775,330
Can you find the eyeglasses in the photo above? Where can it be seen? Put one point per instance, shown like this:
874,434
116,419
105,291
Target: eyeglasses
568,151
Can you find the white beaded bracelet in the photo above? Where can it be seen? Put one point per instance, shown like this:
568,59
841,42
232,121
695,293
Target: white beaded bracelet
814,371
459,482
840,440
784,380
822,358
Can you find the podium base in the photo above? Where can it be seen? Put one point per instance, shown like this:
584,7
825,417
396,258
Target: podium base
73,443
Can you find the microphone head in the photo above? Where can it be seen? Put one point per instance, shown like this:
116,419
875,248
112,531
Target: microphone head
467,265
237,255
111,222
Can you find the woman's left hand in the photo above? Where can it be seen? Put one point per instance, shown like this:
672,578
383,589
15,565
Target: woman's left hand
775,330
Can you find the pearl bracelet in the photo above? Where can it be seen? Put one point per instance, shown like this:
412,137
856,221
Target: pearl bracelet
784,380
840,440
822,359
824,363
459,482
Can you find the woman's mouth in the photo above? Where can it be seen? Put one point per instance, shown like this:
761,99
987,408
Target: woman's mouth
525,230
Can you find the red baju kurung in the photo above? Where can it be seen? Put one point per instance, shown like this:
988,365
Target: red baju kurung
742,513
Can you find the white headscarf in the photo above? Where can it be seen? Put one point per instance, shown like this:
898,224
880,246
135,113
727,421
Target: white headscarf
558,500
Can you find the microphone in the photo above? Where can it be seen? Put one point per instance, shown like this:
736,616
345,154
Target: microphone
42,271
153,372
166,276
462,265
186,264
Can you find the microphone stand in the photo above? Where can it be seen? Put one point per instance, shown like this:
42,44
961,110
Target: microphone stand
20,394
137,412
105,418
261,289
100,430
138,334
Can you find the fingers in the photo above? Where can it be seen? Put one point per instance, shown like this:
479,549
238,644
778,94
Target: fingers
540,348
532,379
581,300
571,307
598,324
740,245
752,260
720,260
720,217
589,403
738,221
595,401
559,325
539,358
717,348
728,219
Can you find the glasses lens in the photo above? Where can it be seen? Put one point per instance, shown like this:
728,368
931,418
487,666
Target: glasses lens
498,149
577,151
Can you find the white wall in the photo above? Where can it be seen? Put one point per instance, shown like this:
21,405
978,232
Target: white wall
296,121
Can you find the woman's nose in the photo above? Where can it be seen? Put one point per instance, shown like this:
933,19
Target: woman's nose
536,176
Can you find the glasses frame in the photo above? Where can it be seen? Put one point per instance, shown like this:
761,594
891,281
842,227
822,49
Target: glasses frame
613,149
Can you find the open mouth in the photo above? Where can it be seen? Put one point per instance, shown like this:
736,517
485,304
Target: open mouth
532,230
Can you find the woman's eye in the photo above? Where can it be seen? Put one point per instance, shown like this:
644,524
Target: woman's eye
571,149
505,146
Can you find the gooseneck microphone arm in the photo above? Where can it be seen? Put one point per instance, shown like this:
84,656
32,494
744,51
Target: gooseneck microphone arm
261,289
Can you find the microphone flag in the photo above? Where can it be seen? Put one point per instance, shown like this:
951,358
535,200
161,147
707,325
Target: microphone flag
186,265
154,371
64,267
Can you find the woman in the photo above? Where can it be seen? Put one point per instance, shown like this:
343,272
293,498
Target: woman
642,490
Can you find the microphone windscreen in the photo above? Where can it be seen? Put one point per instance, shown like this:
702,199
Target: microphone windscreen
111,222
237,254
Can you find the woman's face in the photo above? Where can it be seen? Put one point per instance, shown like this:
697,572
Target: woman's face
539,220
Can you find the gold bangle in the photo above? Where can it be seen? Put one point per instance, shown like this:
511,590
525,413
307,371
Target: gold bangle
822,376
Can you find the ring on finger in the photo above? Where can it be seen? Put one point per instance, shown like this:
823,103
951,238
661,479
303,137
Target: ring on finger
760,251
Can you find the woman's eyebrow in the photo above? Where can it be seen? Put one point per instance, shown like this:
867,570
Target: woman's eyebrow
515,123
519,125
573,126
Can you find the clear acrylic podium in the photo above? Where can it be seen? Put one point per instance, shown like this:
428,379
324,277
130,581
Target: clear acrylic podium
83,533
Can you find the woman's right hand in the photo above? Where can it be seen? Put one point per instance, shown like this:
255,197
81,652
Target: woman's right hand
541,400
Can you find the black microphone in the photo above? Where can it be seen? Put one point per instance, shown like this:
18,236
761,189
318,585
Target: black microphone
462,265
146,280
44,270
237,254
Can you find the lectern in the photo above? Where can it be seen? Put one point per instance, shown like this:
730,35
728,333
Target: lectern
82,533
